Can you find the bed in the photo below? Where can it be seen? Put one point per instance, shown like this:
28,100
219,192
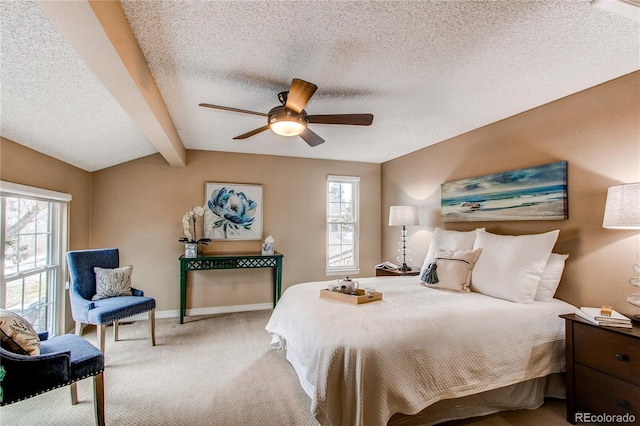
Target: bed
460,353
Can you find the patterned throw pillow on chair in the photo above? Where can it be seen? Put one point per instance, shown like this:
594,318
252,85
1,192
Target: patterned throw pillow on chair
17,334
112,282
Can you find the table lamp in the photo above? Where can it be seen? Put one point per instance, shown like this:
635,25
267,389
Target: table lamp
403,216
622,211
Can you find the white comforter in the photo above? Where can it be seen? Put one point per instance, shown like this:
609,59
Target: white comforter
415,347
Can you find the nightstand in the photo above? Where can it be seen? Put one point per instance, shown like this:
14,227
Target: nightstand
395,272
603,370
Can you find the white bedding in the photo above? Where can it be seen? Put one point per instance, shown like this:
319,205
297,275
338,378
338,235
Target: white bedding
415,347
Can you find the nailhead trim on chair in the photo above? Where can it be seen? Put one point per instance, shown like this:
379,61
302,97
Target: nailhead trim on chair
50,389
132,315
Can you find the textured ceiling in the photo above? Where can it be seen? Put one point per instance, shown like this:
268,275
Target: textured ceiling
428,71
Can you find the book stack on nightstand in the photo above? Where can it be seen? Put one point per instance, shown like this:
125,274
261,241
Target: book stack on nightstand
388,269
609,319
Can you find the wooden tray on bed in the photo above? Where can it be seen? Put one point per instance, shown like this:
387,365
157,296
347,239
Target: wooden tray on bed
355,300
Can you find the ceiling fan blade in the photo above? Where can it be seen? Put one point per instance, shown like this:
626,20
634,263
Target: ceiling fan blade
353,119
299,94
253,132
244,111
311,138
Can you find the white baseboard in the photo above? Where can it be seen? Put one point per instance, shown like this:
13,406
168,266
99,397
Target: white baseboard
198,311
205,311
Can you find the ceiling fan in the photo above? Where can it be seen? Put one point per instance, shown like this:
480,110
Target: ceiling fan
290,118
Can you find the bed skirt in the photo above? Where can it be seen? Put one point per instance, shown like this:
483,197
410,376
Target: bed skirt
524,395
529,394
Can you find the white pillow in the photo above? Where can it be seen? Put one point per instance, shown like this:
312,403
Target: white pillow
510,266
550,279
448,240
452,270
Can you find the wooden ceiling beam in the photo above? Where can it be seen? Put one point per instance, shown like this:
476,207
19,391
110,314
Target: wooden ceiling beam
99,31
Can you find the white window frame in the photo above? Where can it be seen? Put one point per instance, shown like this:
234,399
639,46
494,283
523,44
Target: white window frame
58,247
355,268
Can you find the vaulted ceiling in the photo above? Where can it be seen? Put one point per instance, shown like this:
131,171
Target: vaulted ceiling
100,83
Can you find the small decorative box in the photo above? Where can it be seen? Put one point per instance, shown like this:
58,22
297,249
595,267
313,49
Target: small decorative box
267,249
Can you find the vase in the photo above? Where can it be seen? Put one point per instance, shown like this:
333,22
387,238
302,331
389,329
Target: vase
190,250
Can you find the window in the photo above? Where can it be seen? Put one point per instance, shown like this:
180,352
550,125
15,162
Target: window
34,244
342,225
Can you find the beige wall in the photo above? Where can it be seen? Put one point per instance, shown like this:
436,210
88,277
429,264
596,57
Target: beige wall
25,166
596,131
138,207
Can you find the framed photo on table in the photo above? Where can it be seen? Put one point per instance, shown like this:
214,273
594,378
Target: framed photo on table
233,211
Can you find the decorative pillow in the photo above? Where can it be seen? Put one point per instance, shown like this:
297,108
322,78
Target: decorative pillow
17,334
451,270
510,266
448,240
550,279
112,282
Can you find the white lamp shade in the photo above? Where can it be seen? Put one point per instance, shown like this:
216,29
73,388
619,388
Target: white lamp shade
622,210
629,9
403,215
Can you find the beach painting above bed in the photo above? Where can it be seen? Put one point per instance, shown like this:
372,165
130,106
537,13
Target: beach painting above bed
534,193
234,211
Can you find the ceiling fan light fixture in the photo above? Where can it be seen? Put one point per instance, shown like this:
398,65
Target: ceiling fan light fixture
287,123
290,118
288,128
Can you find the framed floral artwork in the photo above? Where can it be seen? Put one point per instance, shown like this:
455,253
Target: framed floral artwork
233,211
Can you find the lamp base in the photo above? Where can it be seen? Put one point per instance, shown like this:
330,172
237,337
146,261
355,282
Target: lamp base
404,267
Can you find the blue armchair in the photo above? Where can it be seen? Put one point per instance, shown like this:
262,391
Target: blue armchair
63,360
104,311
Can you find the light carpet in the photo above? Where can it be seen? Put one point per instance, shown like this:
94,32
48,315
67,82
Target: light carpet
212,370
